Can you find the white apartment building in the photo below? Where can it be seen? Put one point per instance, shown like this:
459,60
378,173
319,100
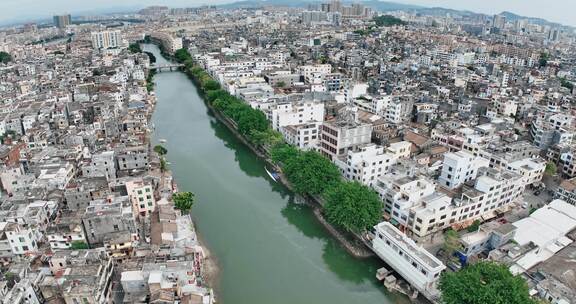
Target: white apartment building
460,167
141,195
494,191
531,169
106,39
400,193
22,240
370,161
296,113
303,136
417,266
308,70
567,163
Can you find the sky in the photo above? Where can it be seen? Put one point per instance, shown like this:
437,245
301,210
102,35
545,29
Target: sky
561,11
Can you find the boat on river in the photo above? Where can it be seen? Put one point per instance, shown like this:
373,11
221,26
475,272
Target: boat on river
273,175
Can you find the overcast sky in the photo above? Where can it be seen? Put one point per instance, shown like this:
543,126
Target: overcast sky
562,11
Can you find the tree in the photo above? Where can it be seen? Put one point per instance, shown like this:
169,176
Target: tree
5,57
11,279
183,200
267,137
135,48
163,165
160,150
182,55
550,168
309,172
474,227
251,120
352,206
484,282
280,84
388,20
451,243
282,154
211,85
544,57
78,245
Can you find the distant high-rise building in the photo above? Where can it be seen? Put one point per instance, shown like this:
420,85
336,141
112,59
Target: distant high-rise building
62,21
499,21
554,35
106,39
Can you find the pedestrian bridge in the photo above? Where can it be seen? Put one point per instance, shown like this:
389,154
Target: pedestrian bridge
166,67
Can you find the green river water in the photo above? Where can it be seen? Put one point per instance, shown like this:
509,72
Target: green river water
270,250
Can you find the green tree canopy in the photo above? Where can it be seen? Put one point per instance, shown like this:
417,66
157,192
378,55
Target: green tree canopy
550,168
183,200
160,150
387,20
474,227
211,85
451,242
78,245
182,55
5,57
309,172
282,154
353,206
484,282
135,48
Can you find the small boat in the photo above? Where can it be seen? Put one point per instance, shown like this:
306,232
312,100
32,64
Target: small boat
273,175
163,141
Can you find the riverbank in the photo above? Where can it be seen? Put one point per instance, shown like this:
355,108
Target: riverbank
209,270
268,247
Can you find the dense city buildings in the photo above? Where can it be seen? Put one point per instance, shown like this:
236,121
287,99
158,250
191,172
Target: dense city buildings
459,125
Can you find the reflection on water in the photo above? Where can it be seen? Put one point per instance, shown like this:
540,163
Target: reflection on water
271,249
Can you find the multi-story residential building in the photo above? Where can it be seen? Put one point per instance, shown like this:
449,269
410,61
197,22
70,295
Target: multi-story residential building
333,82
400,191
340,135
567,163
141,196
308,71
66,230
460,167
566,191
531,169
100,165
132,158
81,191
102,218
62,21
22,239
368,162
282,79
493,191
552,129
84,276
304,136
417,266
296,113
107,39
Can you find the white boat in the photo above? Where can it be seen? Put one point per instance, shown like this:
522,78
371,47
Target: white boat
162,141
272,175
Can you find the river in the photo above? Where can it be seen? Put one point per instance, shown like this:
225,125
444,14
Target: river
269,249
